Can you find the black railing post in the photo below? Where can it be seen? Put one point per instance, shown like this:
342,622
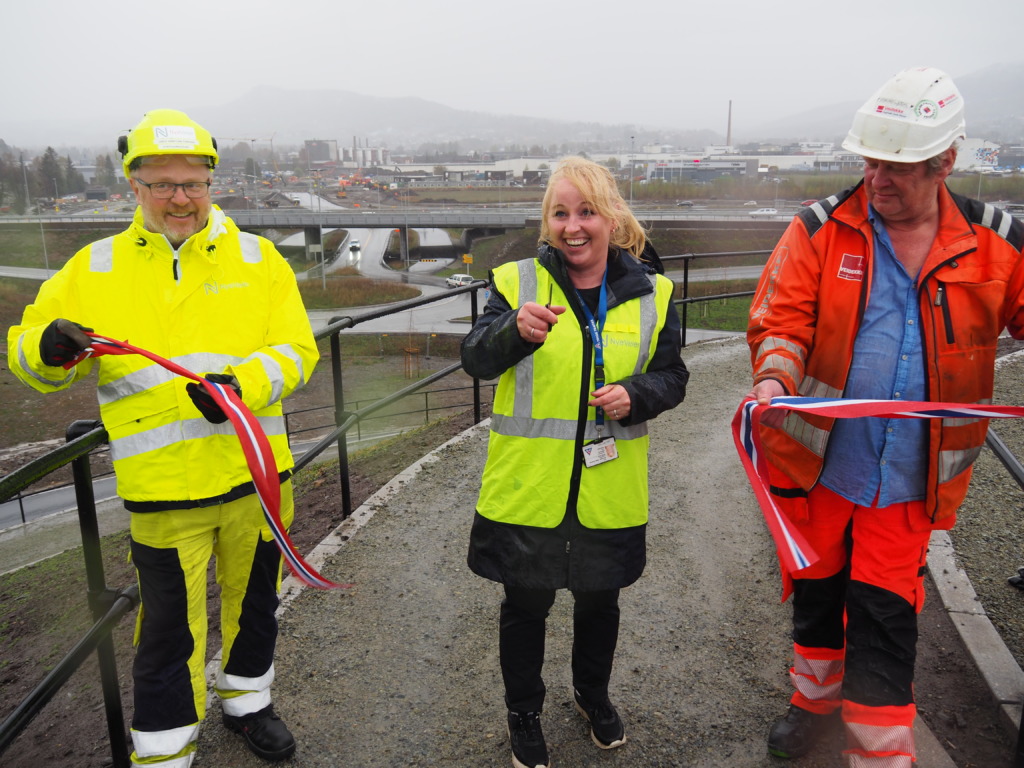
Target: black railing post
474,312
686,295
339,417
100,598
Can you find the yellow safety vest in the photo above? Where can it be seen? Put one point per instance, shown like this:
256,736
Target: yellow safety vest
541,420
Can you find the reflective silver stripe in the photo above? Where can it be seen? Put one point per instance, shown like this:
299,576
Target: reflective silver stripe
648,322
251,252
101,255
154,375
768,359
288,351
880,742
275,376
952,463
820,669
772,343
964,422
23,362
819,212
523,405
812,387
814,690
959,422
169,742
561,429
188,429
808,435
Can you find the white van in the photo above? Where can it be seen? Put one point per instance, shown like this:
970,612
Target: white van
454,281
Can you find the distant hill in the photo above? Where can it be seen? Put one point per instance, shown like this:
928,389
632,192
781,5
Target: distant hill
295,115
993,97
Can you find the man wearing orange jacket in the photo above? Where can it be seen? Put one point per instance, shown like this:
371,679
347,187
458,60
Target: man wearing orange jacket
895,289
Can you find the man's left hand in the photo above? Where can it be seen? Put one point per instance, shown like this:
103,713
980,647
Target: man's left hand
204,401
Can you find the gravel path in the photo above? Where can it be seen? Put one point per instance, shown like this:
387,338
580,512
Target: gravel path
402,668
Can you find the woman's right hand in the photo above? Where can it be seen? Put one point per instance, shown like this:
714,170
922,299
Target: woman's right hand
534,321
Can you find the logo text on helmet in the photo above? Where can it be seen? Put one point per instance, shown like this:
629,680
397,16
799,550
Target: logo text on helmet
927,109
175,136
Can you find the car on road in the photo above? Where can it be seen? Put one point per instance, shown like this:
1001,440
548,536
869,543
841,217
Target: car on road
764,212
685,203
750,203
454,281
354,245
808,202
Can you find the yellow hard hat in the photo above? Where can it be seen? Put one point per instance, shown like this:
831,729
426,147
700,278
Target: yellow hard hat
166,132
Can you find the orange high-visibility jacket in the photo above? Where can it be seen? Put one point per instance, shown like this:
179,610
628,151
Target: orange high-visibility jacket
808,307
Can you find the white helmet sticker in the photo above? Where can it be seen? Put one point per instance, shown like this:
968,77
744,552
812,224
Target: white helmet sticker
175,136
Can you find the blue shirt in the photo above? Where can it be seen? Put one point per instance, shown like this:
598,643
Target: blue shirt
873,461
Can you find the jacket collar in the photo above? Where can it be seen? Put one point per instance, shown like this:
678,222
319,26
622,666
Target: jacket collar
627,278
955,235
217,225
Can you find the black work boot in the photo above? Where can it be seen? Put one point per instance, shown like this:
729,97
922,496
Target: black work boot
264,733
795,734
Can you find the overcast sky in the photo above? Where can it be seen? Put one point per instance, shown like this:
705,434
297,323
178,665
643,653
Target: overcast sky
655,63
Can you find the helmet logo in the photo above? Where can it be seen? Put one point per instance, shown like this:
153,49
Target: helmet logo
175,136
926,109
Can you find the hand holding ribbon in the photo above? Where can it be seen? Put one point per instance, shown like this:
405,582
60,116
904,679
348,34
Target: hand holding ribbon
258,454
794,553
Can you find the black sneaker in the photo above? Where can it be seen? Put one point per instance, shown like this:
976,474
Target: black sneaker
605,724
264,733
527,740
795,734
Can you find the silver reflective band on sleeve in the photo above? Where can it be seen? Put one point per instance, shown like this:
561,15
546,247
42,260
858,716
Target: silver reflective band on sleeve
952,463
812,387
180,431
153,375
101,255
23,362
819,212
251,251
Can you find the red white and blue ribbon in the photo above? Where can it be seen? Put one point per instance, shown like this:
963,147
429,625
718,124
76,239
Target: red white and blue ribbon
258,454
794,552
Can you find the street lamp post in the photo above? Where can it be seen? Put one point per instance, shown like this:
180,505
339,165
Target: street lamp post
632,159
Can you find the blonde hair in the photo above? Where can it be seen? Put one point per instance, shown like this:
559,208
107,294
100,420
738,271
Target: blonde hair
597,186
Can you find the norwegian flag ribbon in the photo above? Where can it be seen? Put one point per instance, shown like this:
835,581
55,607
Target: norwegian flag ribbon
794,552
258,454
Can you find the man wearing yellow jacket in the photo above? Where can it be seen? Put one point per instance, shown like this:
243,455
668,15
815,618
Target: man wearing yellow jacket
183,282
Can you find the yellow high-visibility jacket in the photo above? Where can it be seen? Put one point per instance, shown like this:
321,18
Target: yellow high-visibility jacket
226,302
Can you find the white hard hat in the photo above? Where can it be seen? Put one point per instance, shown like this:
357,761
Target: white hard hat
916,115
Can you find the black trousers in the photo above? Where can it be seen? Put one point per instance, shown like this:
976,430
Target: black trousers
524,614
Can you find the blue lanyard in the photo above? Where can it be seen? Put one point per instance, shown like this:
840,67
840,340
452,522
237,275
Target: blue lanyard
596,326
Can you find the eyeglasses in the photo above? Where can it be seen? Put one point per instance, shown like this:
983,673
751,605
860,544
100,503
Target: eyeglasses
165,190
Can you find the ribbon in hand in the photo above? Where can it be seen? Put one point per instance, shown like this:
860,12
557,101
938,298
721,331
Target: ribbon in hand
258,454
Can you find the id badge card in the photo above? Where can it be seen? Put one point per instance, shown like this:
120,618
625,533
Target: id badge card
599,451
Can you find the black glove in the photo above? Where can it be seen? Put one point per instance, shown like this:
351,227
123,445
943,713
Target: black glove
62,341
204,400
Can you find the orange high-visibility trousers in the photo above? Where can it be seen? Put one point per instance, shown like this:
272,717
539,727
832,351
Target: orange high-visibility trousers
855,620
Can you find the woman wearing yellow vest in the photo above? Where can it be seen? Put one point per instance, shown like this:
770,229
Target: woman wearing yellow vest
586,343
